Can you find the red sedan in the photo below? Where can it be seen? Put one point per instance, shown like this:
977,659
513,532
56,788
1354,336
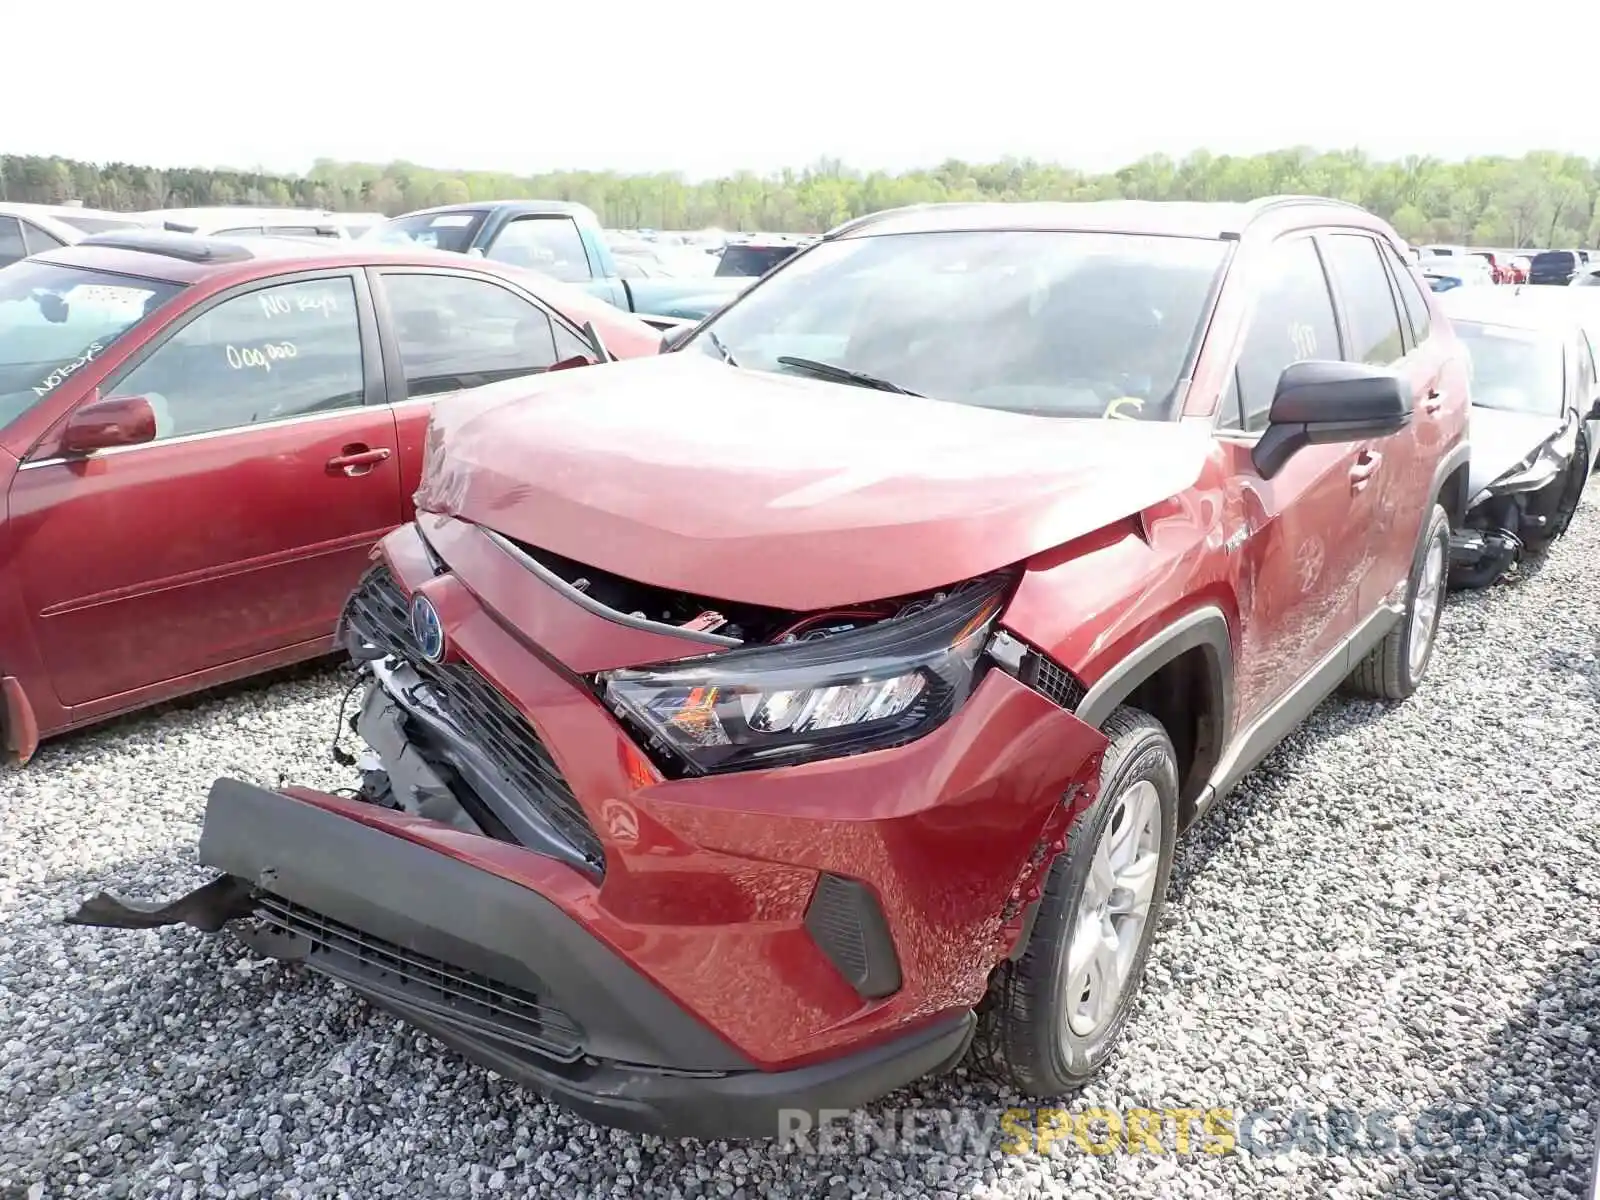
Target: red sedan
200,441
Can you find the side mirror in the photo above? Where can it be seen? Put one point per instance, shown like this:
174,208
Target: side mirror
102,424
1319,402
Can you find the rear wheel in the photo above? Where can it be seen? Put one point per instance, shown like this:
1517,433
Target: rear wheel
1056,1015
1397,664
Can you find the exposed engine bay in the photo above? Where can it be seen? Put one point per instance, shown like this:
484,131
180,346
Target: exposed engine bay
745,623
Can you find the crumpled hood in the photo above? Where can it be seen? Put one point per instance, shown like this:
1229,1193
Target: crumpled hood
1501,439
738,485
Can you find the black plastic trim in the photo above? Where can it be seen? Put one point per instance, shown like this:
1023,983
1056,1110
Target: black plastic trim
1205,627
846,922
415,897
650,1066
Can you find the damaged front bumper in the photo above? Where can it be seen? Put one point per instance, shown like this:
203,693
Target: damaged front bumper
495,970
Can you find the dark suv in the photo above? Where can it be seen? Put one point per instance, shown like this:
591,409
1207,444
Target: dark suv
1556,266
756,726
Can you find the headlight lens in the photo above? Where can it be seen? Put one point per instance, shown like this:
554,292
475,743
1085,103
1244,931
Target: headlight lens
776,705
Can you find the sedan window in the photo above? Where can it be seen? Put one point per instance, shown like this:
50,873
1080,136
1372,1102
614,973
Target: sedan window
56,320
12,247
267,355
456,332
38,240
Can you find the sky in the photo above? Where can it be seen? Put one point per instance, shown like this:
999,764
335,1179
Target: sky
710,87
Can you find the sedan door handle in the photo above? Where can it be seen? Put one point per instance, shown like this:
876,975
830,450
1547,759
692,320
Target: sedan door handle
1434,402
1361,473
358,459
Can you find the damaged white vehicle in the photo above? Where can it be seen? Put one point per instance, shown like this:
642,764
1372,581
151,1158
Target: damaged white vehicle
1534,405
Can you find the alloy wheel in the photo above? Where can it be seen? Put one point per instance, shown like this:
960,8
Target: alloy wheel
1425,606
1113,910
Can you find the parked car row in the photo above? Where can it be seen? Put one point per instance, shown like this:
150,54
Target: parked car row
812,700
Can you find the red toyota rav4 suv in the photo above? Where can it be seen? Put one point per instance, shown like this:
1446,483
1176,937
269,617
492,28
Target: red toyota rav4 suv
754,725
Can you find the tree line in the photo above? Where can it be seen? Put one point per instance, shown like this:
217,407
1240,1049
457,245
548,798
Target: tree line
1541,199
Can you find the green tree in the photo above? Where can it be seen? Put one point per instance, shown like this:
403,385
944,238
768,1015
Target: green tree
1543,198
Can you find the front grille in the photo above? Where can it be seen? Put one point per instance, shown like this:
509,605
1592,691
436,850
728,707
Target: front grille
462,998
380,612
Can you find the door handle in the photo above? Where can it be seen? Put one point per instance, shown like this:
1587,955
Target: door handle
1366,464
358,459
1434,402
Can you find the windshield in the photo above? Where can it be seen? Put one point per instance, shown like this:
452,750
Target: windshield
1514,370
56,320
451,231
1057,324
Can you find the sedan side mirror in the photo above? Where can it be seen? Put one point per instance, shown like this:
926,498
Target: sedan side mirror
103,424
1320,402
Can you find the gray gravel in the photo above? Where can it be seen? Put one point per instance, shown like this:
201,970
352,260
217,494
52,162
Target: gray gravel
1399,913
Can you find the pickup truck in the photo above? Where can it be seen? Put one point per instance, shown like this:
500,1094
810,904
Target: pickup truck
563,240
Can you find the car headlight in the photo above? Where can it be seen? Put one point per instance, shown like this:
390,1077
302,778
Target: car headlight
1540,467
775,705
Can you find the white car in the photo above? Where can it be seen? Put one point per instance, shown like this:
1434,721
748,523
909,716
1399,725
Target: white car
33,228
229,221
1535,407
1445,273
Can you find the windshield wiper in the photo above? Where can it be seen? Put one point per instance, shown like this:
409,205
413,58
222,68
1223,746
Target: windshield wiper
845,375
716,343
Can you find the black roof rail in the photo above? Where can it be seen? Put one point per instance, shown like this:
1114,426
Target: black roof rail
187,247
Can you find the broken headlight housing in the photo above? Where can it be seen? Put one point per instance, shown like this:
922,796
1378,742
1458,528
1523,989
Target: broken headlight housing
1539,468
769,706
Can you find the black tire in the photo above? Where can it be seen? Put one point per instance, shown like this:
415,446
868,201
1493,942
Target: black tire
1387,673
1024,1039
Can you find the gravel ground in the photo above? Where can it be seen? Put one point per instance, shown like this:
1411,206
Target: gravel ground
1397,914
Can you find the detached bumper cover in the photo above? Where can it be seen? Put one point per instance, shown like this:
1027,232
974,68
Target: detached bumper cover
498,972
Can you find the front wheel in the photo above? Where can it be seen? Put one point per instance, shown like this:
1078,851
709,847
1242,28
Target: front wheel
1057,1014
1397,664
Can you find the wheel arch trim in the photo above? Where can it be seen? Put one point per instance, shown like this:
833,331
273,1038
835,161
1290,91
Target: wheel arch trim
1205,628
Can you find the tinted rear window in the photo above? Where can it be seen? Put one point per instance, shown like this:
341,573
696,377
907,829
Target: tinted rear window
752,260
56,320
1555,260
